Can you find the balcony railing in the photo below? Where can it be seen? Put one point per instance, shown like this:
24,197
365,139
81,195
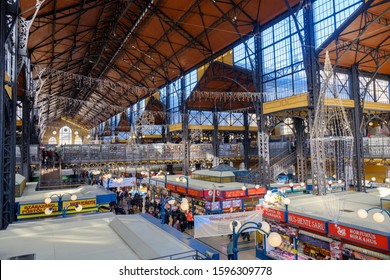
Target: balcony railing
374,147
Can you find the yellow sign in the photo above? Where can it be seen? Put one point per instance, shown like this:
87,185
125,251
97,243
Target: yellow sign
86,203
27,209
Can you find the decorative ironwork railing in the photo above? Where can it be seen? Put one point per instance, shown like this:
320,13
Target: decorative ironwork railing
373,147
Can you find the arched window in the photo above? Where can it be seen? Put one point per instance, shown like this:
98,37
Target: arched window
52,141
65,135
78,140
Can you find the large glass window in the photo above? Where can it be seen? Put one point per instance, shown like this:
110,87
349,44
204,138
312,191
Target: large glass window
329,15
230,119
200,118
78,140
190,82
65,135
243,57
52,141
376,91
340,84
367,88
175,101
163,95
283,71
382,91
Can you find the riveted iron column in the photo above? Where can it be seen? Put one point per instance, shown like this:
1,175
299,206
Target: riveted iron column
358,140
8,93
185,138
262,132
300,149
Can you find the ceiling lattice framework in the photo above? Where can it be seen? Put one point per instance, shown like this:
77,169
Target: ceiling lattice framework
140,43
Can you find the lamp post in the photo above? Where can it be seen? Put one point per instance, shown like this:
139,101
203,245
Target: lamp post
378,216
274,238
171,200
61,207
184,178
165,174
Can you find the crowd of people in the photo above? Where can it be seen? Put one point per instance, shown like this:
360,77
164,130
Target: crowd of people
126,204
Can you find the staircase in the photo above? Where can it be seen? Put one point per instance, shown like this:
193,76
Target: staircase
279,164
282,165
50,177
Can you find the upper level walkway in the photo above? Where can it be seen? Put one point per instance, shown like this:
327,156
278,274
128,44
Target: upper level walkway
373,147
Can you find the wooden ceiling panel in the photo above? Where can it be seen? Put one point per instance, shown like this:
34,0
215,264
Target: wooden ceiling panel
138,44
271,9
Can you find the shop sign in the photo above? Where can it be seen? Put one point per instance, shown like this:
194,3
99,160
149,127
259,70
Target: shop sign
360,236
234,193
193,192
86,203
256,191
160,184
27,209
307,222
181,189
273,214
170,187
209,193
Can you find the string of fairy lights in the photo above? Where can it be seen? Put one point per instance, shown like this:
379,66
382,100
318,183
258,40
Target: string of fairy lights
44,74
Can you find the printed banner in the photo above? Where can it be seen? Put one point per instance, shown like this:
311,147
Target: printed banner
217,225
127,182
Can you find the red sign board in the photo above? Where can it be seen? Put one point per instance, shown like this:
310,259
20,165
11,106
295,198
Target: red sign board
360,236
170,187
193,192
181,189
229,194
306,222
256,191
273,214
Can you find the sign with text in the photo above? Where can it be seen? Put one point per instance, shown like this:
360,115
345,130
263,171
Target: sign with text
273,214
86,203
360,236
217,225
181,189
193,192
306,222
38,208
256,191
234,193
170,187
